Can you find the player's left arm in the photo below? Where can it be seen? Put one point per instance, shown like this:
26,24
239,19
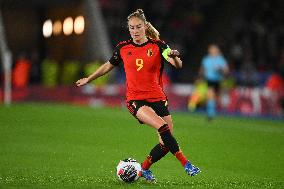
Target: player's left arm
172,56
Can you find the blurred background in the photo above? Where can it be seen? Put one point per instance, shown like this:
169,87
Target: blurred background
47,45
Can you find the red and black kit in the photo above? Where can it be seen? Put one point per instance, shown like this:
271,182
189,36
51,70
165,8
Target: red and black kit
143,65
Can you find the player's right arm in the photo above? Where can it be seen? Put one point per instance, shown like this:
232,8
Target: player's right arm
102,70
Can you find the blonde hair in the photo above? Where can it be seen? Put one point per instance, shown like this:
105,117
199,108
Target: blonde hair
151,31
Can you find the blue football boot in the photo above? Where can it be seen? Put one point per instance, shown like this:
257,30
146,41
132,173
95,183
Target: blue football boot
148,175
191,169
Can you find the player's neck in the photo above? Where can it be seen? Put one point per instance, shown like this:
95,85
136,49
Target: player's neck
141,41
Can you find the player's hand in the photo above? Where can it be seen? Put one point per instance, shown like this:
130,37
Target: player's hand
173,53
82,82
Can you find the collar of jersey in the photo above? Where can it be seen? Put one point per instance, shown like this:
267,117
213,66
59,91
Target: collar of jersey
140,45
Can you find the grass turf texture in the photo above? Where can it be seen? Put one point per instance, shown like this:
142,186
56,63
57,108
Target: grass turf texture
61,146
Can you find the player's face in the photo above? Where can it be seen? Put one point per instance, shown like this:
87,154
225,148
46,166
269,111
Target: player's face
137,29
213,50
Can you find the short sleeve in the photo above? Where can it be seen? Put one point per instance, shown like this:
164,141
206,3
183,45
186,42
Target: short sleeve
116,58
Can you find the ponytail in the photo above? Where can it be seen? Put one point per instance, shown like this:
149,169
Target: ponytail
151,31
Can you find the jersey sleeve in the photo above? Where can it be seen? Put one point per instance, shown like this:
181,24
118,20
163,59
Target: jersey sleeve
116,58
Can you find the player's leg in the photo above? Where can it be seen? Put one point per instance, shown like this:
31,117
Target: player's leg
159,150
212,97
189,168
169,121
211,103
148,116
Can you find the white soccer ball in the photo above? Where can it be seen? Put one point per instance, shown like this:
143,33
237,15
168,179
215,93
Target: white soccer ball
128,170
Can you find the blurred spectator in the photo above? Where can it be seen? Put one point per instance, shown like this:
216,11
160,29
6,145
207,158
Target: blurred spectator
198,96
21,72
275,83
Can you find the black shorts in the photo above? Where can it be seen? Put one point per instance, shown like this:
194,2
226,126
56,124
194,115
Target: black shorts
160,107
214,84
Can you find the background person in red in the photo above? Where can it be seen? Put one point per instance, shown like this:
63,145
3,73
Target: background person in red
143,57
21,72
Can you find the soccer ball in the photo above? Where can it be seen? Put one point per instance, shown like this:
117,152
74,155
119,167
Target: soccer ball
128,170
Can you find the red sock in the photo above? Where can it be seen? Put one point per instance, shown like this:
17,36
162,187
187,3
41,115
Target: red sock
147,163
179,155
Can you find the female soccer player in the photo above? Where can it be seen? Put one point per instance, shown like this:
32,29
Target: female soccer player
142,58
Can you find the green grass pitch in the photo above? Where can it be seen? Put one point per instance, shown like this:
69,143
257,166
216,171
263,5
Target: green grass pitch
62,146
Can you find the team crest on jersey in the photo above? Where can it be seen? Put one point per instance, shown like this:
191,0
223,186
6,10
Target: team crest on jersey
149,52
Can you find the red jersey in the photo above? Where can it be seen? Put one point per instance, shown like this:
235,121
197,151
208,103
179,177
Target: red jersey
143,65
